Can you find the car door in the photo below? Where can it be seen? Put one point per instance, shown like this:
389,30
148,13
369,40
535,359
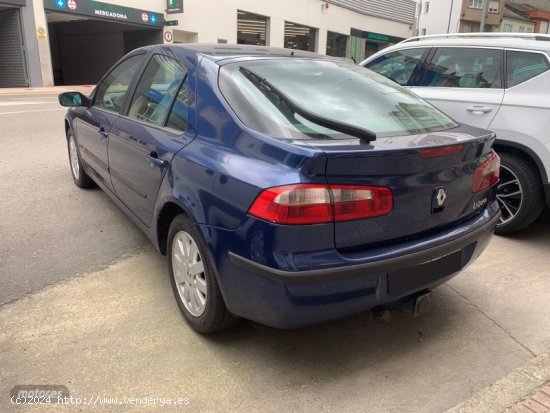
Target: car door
155,126
464,82
93,127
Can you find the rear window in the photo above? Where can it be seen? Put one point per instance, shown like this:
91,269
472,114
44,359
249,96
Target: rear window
334,90
522,66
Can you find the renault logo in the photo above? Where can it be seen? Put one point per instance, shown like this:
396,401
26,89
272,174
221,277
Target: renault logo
441,196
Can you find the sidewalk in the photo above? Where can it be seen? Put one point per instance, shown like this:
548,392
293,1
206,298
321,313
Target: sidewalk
53,90
524,390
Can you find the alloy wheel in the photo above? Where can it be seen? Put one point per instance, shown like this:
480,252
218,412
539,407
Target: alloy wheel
75,165
509,195
189,275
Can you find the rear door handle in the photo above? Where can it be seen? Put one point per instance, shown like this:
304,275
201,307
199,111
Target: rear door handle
103,132
479,109
154,160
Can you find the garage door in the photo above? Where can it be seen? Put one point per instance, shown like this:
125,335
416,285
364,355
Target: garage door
12,58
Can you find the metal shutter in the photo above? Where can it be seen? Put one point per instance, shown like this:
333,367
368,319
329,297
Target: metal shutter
12,57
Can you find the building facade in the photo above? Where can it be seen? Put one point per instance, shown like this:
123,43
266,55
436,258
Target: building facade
538,11
515,21
458,16
56,42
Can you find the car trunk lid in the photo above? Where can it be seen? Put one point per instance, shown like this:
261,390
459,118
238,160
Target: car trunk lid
430,177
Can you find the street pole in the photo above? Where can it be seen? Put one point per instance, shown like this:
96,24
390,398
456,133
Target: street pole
484,15
417,18
450,15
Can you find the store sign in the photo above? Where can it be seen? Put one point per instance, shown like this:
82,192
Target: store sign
106,11
379,37
174,6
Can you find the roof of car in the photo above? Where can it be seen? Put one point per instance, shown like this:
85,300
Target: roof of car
218,52
510,40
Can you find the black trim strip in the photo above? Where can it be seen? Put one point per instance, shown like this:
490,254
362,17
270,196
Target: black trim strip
359,270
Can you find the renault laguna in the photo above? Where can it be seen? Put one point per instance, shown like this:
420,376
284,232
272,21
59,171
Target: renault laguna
284,187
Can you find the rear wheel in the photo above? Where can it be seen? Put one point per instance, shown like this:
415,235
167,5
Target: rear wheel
81,179
519,194
193,279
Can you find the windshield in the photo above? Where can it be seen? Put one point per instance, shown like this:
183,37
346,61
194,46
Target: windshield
333,90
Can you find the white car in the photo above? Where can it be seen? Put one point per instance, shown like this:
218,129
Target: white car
496,81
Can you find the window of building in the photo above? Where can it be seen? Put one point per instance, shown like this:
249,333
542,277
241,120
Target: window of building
337,44
251,28
464,68
300,37
476,4
426,7
521,29
522,66
508,28
423,32
493,6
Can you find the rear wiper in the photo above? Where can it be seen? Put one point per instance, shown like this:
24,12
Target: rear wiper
264,86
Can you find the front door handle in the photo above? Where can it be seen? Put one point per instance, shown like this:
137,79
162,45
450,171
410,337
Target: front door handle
478,109
103,132
154,160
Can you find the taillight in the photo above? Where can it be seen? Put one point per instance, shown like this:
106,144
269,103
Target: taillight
487,174
315,204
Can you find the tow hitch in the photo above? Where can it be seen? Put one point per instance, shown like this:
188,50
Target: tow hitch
416,305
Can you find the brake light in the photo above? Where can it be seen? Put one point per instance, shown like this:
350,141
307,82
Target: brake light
487,174
315,204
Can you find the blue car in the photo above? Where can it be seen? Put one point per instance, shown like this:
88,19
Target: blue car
285,187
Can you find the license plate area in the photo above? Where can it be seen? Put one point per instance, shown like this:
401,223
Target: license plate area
406,280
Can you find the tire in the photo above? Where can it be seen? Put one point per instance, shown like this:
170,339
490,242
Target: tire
194,284
520,194
80,178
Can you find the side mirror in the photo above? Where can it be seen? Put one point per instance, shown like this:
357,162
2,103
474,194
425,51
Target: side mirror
73,99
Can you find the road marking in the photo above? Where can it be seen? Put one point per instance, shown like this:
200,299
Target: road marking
21,102
30,111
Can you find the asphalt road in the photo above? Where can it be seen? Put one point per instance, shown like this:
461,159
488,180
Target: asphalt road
50,230
107,326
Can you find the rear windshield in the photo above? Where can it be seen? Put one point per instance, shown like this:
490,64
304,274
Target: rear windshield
335,90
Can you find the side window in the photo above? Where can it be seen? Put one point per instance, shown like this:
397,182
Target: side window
464,68
397,65
156,90
111,92
522,66
179,113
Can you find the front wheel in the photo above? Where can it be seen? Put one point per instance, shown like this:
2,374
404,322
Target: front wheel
193,279
519,194
80,178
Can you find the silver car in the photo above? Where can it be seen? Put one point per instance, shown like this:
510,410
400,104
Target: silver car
496,81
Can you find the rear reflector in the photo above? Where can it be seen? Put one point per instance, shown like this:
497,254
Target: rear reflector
439,152
315,204
487,174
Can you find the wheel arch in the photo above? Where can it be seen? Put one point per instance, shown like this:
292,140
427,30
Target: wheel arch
519,149
515,148
166,215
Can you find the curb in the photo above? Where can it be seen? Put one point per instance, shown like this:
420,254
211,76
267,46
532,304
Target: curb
511,389
55,90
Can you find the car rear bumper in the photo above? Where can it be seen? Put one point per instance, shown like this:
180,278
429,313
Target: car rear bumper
357,282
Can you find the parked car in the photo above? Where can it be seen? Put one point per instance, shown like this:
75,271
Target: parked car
499,81
285,187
